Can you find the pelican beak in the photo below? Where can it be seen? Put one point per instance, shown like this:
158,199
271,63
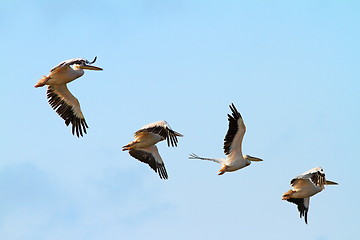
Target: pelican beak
331,183
90,67
254,159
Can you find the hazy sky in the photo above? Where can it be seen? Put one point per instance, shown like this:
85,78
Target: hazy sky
290,67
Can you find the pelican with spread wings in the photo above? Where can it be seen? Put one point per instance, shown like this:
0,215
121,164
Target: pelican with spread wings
143,148
59,96
234,160
304,186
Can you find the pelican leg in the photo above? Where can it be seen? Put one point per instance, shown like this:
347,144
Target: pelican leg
42,81
222,170
288,194
129,145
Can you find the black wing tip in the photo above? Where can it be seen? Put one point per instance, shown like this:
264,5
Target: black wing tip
79,126
80,130
301,207
193,156
171,137
162,172
148,159
65,111
304,214
165,132
235,113
233,128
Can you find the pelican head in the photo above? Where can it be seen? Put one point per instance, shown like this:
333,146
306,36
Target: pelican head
85,64
251,158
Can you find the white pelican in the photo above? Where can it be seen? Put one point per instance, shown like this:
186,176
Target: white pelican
304,186
143,148
59,96
232,146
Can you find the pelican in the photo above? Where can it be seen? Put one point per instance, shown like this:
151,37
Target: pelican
304,186
59,96
143,148
232,146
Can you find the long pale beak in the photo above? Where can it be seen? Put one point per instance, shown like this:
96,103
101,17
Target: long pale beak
254,159
90,67
331,183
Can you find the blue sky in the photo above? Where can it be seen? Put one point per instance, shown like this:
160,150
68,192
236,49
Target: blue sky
290,67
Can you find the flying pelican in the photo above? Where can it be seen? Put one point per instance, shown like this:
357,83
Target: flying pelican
232,146
304,186
59,96
143,148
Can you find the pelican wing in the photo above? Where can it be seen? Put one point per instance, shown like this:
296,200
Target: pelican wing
68,107
302,206
70,62
150,156
235,134
162,129
301,183
194,156
315,175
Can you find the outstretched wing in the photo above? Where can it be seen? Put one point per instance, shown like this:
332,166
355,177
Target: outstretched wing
194,156
302,206
235,134
80,61
315,175
68,107
150,156
162,129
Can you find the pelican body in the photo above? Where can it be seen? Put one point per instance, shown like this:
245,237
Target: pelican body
143,148
305,186
59,96
234,160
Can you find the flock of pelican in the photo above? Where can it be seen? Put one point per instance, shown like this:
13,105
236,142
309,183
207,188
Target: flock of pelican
144,149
